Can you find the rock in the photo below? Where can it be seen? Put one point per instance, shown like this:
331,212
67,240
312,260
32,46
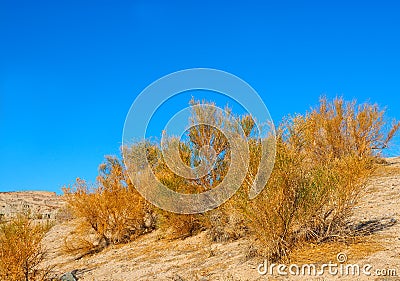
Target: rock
149,221
69,276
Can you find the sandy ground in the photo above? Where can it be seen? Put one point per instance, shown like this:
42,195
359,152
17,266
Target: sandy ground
153,257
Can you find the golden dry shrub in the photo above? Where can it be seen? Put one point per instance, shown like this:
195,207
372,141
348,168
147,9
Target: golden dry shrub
177,225
206,122
113,210
227,222
323,160
21,250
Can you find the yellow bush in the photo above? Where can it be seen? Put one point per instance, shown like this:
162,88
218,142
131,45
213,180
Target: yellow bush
323,159
21,251
113,209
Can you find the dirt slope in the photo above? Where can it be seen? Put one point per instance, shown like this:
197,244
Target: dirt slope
153,257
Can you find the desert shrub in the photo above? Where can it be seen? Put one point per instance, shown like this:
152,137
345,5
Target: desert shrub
21,250
204,132
226,224
177,225
112,209
323,159
337,128
180,226
64,214
228,221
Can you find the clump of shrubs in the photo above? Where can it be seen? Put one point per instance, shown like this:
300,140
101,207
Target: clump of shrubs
323,159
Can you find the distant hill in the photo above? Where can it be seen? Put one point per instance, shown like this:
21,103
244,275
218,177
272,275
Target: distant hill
42,204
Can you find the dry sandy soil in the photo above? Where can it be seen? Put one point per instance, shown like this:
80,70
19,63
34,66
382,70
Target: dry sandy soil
153,257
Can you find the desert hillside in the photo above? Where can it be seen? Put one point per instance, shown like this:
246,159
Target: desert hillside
155,257
43,204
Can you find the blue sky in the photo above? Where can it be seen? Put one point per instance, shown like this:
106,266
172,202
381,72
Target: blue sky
69,70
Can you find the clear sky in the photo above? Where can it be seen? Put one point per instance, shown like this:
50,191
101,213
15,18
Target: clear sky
69,70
